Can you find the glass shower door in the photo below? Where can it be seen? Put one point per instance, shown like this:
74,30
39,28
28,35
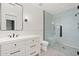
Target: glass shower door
49,28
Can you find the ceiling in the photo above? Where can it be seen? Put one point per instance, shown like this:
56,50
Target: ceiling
55,7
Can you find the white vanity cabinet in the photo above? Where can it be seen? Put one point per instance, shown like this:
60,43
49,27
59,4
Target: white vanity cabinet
26,46
16,48
34,46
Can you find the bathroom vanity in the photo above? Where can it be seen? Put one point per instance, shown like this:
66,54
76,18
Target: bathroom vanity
21,46
11,19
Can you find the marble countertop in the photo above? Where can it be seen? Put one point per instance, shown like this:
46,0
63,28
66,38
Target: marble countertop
9,40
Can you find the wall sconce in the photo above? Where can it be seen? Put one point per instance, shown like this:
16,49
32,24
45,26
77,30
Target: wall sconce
25,20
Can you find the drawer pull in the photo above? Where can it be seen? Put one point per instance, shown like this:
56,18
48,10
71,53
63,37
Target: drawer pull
33,53
14,52
32,46
14,44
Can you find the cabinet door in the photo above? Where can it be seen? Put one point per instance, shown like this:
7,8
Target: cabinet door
34,46
14,49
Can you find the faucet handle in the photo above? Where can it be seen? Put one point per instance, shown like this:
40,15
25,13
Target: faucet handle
17,35
13,35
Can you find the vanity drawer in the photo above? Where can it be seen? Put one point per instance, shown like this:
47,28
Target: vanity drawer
34,51
13,48
14,52
11,45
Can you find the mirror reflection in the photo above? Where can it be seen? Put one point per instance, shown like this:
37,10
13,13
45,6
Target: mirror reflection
11,16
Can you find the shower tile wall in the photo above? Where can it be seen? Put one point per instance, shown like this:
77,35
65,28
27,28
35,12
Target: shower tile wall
69,23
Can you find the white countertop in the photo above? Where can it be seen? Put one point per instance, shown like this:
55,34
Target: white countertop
7,39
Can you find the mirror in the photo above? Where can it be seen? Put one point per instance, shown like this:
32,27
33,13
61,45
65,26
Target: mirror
10,25
11,16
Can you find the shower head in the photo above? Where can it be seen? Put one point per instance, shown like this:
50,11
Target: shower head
78,12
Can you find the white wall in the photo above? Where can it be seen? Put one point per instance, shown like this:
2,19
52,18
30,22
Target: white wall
34,15
34,24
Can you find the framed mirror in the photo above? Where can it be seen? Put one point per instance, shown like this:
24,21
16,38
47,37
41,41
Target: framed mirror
11,16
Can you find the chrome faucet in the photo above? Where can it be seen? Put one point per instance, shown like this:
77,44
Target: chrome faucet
13,35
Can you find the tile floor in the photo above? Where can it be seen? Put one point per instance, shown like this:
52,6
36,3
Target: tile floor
52,52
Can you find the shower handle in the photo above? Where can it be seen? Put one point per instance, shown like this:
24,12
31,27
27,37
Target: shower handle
60,30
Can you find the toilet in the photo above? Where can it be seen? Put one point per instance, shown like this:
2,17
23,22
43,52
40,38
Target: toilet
44,45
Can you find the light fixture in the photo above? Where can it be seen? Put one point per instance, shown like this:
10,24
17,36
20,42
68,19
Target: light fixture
25,20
